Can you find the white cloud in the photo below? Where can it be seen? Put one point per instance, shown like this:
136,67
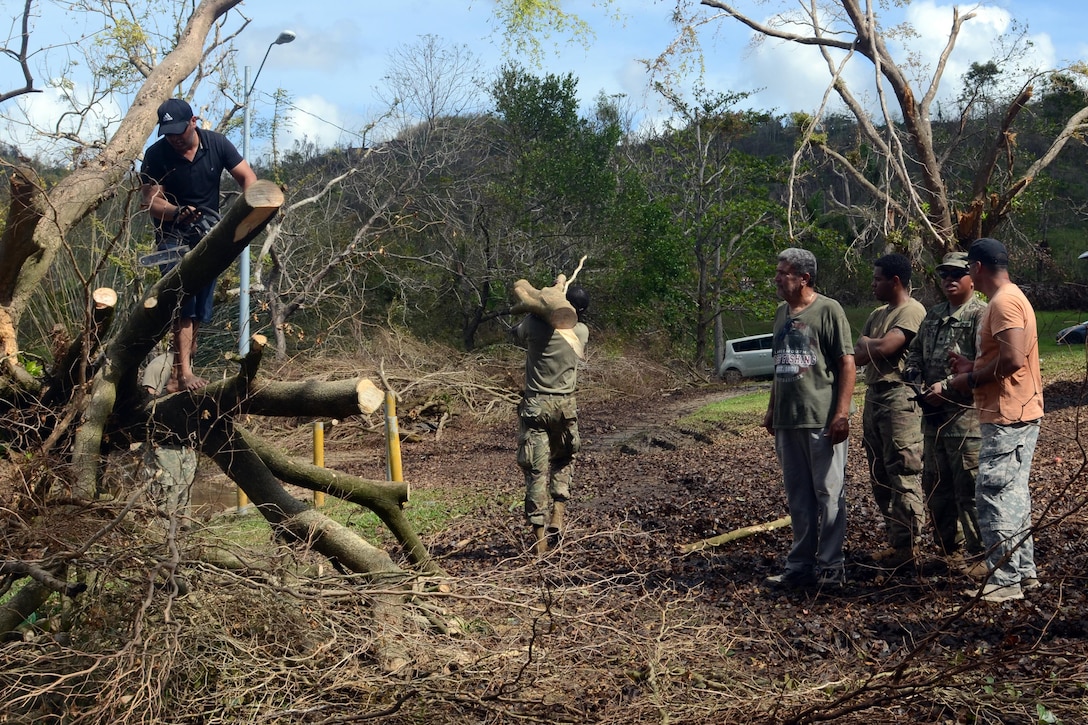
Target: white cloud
32,122
795,77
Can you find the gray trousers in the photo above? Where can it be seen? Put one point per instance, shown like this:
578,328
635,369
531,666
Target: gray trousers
814,475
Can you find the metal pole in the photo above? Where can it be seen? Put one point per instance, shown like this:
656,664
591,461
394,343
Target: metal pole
319,458
243,258
243,269
393,470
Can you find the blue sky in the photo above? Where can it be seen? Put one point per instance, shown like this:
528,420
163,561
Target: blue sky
343,48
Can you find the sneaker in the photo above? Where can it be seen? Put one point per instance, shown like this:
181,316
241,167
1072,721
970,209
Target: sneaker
1030,582
790,580
996,593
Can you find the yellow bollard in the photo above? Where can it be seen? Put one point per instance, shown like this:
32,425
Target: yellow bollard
319,458
392,439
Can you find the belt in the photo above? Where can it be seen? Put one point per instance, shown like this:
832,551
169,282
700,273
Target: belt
885,385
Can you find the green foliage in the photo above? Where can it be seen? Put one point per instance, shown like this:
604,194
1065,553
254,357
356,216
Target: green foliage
525,22
559,160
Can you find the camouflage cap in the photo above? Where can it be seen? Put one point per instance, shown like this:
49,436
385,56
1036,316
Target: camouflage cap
954,260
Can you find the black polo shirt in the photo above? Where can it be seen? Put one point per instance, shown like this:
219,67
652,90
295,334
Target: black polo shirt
185,182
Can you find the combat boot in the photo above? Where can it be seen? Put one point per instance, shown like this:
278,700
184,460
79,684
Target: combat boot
540,541
554,531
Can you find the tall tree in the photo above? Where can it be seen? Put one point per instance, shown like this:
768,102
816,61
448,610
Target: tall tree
720,197
916,189
89,401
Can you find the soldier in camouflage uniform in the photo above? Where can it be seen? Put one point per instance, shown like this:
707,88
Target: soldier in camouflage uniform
548,439
891,419
949,419
1008,391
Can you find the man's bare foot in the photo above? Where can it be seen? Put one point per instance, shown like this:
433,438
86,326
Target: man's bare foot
185,382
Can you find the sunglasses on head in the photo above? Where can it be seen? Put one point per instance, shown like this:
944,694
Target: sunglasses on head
952,273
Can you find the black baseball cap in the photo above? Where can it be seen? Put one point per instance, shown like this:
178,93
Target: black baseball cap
174,116
988,251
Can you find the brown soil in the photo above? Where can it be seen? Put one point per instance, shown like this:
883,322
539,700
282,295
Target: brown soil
713,644
616,625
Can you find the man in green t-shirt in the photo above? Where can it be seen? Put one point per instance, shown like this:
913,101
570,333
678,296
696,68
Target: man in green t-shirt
809,417
891,418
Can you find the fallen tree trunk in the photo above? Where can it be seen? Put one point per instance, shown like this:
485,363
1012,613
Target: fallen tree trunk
735,534
384,498
150,321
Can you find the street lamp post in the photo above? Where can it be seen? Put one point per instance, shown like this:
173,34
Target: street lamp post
243,260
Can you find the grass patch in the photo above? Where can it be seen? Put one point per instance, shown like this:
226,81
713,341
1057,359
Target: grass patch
739,412
428,511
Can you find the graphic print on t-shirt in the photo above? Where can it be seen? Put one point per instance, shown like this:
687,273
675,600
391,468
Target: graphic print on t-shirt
793,351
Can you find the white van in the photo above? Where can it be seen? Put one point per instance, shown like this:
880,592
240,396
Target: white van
747,357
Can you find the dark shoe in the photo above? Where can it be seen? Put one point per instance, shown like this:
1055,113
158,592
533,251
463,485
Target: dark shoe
832,579
790,580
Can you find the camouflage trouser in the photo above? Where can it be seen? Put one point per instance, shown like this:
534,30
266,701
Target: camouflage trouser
1004,500
548,443
892,437
169,472
948,479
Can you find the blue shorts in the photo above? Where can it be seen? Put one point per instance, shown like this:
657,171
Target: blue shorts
195,306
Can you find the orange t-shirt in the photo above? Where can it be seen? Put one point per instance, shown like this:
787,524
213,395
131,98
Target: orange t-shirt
1017,397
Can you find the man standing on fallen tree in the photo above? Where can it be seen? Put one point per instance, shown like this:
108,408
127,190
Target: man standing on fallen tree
809,417
179,179
548,440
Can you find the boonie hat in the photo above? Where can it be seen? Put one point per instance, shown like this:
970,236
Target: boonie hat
174,116
988,251
955,260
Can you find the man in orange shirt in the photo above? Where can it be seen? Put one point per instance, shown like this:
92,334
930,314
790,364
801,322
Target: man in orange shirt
1008,392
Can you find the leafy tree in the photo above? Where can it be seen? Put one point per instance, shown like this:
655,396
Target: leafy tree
722,203
915,202
67,416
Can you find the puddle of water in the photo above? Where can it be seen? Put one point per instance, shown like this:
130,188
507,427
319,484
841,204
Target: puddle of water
210,494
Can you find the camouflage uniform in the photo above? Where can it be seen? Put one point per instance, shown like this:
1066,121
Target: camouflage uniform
1004,501
950,430
548,439
892,432
1010,409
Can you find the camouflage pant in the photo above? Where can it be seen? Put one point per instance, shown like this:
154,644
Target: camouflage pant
948,479
548,443
892,437
1004,500
169,471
